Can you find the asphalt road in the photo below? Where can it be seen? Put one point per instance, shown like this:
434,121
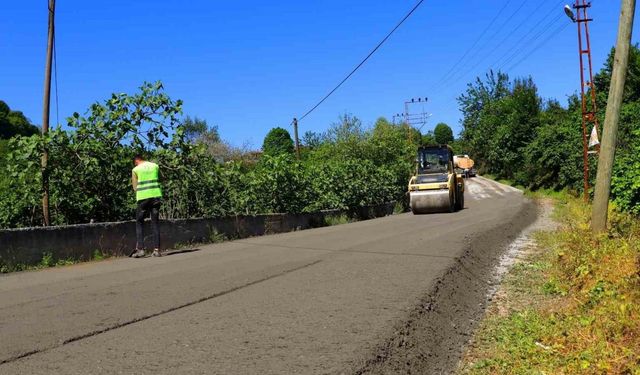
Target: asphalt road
309,302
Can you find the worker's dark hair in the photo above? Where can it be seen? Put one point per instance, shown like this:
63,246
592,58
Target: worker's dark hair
138,157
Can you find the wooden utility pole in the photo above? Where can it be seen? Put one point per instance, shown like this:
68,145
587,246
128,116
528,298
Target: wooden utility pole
295,135
612,116
45,115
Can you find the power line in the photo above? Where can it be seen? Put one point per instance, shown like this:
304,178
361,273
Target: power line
519,47
363,61
461,73
508,55
508,35
445,77
553,34
526,46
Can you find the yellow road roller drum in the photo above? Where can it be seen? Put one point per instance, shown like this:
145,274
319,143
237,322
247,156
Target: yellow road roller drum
435,187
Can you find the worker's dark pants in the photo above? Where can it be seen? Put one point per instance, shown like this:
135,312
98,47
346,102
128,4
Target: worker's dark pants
146,206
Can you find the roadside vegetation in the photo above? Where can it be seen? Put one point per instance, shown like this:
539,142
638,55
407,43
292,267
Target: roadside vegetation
348,166
572,307
508,129
514,134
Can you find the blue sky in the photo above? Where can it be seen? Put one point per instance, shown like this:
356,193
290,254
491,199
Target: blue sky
252,65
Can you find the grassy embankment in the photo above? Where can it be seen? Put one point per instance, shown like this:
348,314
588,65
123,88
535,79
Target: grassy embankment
571,307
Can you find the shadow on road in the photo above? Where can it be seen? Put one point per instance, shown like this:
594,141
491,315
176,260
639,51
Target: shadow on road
182,251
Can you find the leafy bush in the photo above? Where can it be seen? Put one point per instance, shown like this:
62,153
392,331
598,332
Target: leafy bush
90,167
277,142
513,134
443,134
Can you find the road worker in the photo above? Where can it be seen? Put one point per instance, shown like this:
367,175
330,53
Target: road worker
145,178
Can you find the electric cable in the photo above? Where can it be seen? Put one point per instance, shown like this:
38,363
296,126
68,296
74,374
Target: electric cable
521,44
557,30
445,77
519,47
508,35
462,72
363,61
524,48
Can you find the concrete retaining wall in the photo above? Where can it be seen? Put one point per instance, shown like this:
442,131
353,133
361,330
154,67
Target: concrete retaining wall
26,246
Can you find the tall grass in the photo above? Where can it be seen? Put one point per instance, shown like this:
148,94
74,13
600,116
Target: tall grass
581,304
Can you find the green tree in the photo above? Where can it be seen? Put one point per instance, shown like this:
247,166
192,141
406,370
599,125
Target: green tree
443,134
278,184
602,79
478,106
348,129
311,139
500,119
14,123
278,142
196,129
90,166
428,138
517,120
553,159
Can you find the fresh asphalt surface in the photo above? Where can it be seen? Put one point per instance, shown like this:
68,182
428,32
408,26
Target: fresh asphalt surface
309,302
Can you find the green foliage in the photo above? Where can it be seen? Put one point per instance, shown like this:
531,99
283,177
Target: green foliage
337,220
194,185
564,311
602,79
46,261
217,237
4,150
428,138
553,159
311,139
350,183
277,142
626,172
278,184
443,134
90,166
513,134
97,255
501,118
14,123
197,130
21,189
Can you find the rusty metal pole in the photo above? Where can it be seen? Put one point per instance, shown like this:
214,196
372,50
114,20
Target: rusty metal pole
592,88
45,115
588,105
585,150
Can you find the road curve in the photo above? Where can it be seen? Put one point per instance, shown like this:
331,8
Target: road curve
310,302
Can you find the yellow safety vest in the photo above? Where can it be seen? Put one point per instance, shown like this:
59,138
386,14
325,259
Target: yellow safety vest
148,184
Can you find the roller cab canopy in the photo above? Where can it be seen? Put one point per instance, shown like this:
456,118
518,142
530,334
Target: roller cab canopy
434,159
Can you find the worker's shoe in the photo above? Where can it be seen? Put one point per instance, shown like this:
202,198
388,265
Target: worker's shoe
156,253
138,254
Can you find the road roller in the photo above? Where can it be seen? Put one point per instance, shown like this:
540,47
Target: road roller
435,187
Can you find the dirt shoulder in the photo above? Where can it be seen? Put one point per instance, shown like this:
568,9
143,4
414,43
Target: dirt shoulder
569,305
432,338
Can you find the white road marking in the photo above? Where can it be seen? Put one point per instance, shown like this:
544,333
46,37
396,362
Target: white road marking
482,188
504,187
